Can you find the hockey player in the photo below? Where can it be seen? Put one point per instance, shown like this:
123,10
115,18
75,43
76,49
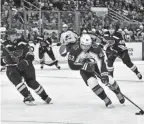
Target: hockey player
88,59
68,39
45,47
18,59
116,47
139,36
2,68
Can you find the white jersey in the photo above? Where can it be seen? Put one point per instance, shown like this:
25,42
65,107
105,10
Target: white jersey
68,37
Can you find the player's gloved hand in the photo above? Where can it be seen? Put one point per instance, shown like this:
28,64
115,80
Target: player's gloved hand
64,54
88,66
23,65
58,44
29,56
105,79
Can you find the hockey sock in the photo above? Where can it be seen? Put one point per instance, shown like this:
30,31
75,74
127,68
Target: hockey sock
41,92
134,69
21,87
115,88
99,91
111,70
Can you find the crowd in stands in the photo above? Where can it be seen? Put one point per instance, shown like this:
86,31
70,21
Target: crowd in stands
65,11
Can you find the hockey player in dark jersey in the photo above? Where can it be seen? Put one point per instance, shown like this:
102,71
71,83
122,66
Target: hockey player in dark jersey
45,47
91,60
18,59
115,47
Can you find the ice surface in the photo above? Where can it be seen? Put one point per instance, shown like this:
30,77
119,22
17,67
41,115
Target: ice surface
74,102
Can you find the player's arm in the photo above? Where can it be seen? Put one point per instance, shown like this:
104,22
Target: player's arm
104,44
48,42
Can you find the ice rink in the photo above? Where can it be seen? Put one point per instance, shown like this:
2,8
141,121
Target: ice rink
73,101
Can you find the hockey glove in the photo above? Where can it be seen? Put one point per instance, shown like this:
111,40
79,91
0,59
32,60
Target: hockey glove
105,79
88,66
29,56
58,44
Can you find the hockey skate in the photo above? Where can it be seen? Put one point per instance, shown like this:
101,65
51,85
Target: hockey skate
56,64
29,100
48,100
139,75
41,66
121,98
108,103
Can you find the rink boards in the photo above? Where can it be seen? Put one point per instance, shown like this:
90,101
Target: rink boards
135,52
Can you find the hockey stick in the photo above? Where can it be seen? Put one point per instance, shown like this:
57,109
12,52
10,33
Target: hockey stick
141,112
48,64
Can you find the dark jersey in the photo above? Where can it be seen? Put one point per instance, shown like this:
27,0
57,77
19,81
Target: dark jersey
115,42
43,42
77,57
13,53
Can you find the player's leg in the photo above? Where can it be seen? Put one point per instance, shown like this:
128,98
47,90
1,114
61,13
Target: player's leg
91,81
110,62
15,77
127,61
41,57
116,89
52,56
30,79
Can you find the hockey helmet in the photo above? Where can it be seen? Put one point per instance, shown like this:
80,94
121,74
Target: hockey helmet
93,30
85,42
65,27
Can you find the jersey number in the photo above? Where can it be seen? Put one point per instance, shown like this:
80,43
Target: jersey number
122,42
71,58
68,37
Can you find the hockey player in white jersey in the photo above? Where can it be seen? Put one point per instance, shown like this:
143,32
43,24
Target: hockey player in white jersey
67,39
90,61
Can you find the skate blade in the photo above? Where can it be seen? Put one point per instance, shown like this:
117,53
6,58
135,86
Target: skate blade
30,103
110,106
123,104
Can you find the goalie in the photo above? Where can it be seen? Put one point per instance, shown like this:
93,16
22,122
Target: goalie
86,58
